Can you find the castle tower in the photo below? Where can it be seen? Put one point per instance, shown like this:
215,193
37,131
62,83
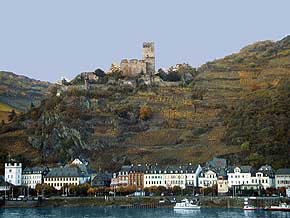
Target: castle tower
149,57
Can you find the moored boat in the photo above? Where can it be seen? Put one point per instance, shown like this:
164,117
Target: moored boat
281,207
247,206
186,204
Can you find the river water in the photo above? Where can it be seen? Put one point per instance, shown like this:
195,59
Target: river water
102,212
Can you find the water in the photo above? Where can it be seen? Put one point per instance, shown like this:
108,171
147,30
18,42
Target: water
101,212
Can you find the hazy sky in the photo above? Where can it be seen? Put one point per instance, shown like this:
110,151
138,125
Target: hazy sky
49,39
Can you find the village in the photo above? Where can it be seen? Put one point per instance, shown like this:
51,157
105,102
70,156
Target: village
214,178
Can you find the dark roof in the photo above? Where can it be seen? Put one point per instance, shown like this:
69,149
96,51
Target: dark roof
65,172
267,170
244,169
138,168
3,183
125,168
30,170
283,171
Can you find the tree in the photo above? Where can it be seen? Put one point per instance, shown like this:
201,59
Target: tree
91,191
145,112
160,189
176,190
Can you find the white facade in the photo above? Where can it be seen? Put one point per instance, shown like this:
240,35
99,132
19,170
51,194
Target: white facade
237,177
172,176
174,179
31,180
33,176
192,176
222,185
207,179
282,178
264,180
60,181
13,173
154,179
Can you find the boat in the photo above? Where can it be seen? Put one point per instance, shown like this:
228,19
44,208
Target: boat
281,207
247,206
186,204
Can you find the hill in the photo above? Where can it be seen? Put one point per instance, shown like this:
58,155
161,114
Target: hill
18,92
236,107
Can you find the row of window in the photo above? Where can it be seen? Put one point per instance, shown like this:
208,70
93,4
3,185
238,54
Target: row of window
62,184
283,182
61,179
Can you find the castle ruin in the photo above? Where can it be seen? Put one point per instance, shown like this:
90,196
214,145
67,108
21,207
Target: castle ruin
146,66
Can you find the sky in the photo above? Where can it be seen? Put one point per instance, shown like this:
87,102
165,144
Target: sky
47,40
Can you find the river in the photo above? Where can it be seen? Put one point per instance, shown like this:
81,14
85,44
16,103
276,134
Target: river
107,212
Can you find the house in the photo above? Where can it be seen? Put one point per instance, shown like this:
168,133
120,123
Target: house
136,176
282,178
123,176
265,177
4,186
222,182
241,176
79,161
153,176
65,176
101,180
13,173
191,174
33,176
207,178
175,176
171,176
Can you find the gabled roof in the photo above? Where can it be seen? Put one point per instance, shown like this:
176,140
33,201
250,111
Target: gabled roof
283,171
266,170
65,172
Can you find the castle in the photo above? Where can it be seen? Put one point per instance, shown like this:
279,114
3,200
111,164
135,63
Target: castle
146,66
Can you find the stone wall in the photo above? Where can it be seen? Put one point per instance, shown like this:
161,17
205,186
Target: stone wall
133,68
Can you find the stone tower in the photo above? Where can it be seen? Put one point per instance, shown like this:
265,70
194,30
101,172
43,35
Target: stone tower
149,57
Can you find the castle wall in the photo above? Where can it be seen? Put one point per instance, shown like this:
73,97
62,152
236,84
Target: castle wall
132,68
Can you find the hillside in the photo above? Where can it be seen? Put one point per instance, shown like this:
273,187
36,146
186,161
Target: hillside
236,107
18,92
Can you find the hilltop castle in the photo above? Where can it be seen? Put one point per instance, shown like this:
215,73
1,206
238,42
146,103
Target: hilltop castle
146,66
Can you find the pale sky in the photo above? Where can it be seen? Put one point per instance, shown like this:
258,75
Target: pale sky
49,39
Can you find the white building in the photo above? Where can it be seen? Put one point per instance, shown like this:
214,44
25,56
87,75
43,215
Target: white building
207,178
65,176
169,177
282,178
264,177
242,175
33,176
13,173
191,174
154,176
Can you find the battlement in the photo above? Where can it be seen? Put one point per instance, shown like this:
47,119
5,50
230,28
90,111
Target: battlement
148,44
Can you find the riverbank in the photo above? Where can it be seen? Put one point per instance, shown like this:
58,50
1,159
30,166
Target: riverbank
209,202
